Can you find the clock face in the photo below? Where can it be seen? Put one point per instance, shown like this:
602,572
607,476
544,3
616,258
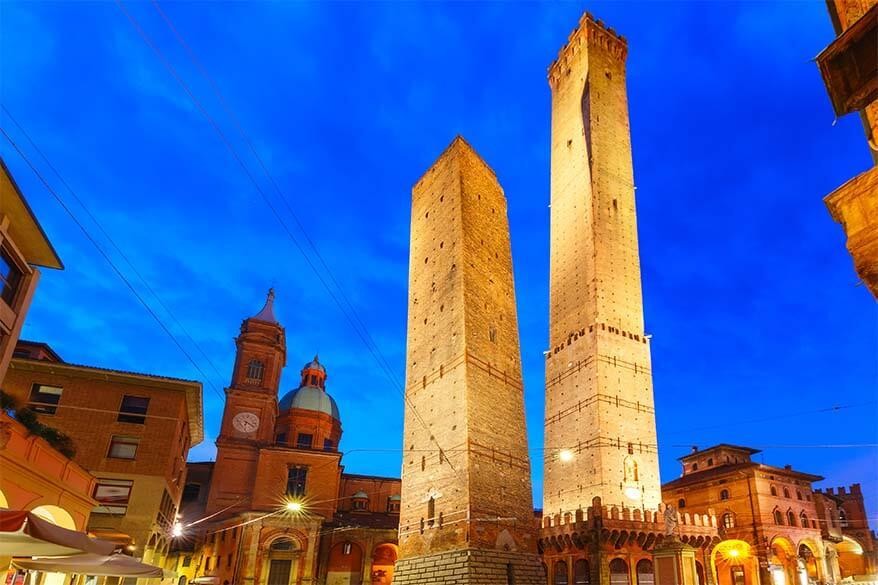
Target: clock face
246,422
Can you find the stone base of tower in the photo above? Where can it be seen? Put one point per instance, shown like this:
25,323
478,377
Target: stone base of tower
471,567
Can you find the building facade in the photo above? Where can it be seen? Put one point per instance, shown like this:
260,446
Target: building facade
277,508
849,66
23,247
131,431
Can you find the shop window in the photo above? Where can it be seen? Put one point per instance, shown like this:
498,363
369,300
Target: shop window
581,573
645,574
133,409
44,399
559,573
123,447
619,572
112,496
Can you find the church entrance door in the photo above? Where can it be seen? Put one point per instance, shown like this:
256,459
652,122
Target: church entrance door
279,572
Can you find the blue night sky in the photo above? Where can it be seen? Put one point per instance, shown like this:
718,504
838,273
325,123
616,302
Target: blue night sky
758,320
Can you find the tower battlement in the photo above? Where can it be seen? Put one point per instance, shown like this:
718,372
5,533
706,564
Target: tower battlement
590,32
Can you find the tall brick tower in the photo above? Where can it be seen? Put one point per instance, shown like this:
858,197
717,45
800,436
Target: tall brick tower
600,433
467,512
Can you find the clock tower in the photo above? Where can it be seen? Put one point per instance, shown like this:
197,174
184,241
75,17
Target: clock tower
251,407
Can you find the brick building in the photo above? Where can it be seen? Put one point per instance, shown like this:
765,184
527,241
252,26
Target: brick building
769,520
276,507
132,431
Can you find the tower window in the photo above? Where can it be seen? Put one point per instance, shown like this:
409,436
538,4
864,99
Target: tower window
328,445
255,370
296,477
431,511
304,441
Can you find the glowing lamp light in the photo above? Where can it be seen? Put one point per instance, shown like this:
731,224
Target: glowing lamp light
292,506
565,455
177,530
632,492
734,553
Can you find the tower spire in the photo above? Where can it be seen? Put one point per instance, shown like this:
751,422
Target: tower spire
267,312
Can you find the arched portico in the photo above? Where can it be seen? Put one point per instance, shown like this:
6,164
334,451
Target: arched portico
851,560
383,561
733,563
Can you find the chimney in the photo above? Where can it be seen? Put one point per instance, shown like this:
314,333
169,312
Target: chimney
790,467
695,448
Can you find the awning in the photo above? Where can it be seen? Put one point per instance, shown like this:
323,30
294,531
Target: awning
23,534
89,564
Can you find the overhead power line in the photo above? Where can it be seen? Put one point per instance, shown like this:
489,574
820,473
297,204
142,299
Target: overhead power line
348,311
106,256
112,242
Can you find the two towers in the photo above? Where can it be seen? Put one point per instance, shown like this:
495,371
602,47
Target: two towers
467,509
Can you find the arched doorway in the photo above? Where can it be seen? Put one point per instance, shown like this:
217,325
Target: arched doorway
345,564
733,563
383,560
807,565
783,563
281,561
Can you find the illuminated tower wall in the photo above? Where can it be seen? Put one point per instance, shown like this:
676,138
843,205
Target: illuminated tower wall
467,511
599,399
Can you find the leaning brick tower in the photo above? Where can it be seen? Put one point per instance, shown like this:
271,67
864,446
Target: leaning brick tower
467,512
600,435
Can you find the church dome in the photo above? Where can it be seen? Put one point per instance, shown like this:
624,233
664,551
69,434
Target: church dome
309,398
